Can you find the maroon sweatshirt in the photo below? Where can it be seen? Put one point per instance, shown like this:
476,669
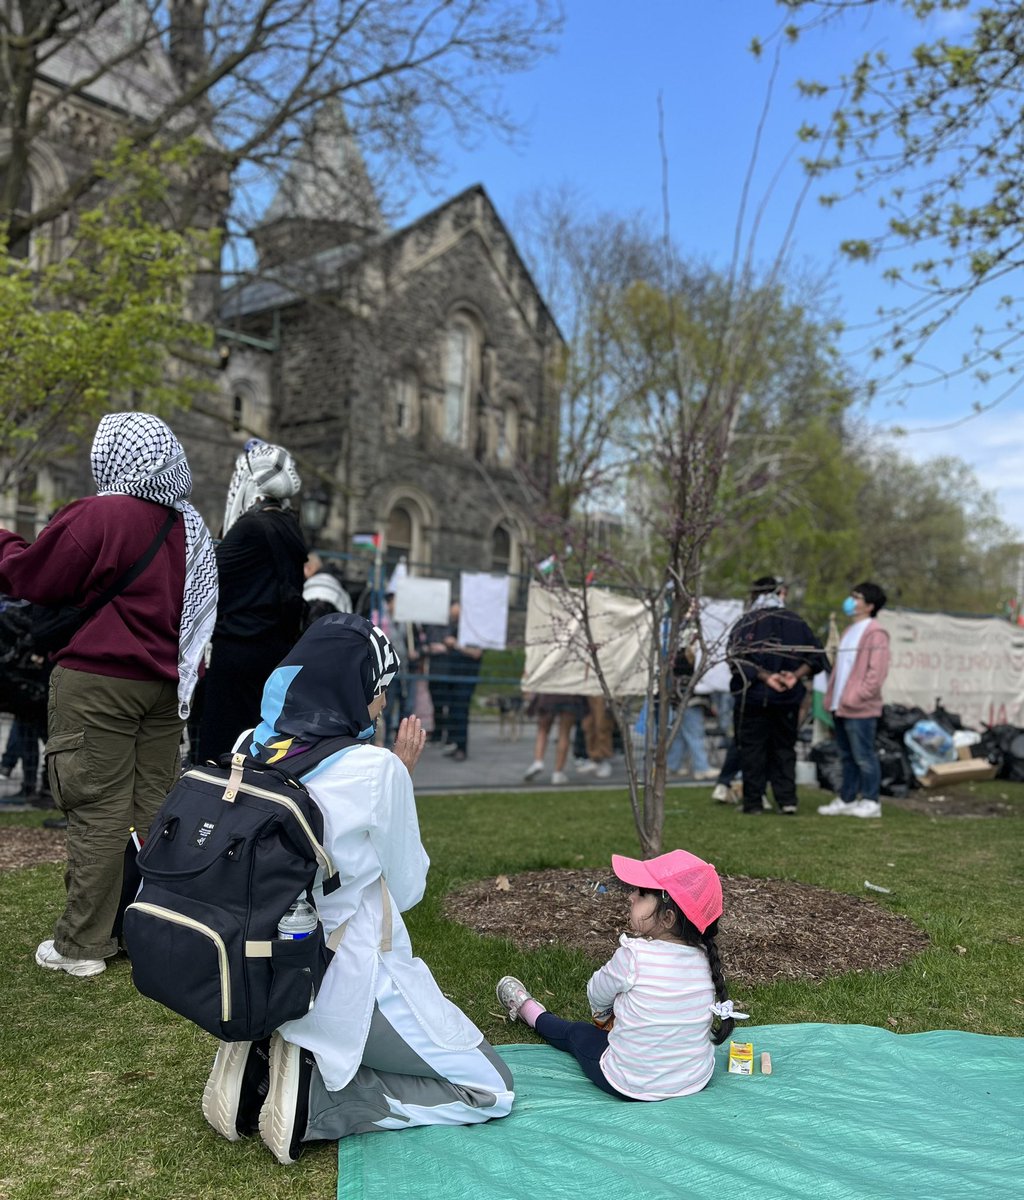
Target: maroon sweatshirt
85,548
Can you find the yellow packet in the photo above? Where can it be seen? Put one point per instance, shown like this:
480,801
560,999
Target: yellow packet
741,1058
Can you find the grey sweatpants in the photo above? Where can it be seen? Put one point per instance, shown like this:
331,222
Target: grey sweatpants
405,1080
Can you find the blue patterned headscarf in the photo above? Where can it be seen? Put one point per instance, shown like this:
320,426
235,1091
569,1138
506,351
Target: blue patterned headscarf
324,687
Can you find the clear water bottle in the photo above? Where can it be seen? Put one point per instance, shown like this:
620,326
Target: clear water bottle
298,922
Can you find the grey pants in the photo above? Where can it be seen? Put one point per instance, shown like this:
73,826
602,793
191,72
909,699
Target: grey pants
112,756
401,1085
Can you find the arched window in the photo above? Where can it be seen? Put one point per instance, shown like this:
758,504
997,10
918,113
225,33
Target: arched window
401,534
460,369
501,550
21,247
237,411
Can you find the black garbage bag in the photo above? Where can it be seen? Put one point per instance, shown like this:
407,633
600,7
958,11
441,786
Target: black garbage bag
828,766
949,721
1004,745
896,719
897,775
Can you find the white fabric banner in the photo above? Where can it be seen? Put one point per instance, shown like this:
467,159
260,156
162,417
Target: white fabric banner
717,618
556,646
483,611
975,664
425,601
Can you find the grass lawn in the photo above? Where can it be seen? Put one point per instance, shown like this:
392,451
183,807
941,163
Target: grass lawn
101,1088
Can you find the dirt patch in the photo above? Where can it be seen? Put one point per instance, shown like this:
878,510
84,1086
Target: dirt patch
24,847
771,929
951,802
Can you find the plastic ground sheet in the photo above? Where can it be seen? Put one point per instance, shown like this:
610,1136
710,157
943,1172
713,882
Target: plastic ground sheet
849,1111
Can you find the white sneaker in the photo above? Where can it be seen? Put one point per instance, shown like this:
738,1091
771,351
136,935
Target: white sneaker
512,995
53,960
586,766
722,794
703,776
559,777
533,770
836,807
864,808
603,770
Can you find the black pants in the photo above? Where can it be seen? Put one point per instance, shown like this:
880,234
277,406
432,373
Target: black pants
584,1041
767,737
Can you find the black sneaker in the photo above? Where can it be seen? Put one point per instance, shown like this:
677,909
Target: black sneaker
237,1088
285,1115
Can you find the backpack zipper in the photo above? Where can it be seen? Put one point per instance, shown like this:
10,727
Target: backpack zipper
167,914
322,857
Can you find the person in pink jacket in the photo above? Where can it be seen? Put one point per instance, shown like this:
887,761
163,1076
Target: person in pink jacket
854,698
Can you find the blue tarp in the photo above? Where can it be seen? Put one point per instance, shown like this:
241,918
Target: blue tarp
850,1111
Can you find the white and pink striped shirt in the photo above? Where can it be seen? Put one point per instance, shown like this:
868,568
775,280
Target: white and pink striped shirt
660,1044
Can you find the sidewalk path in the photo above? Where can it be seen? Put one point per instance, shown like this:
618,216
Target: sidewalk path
494,763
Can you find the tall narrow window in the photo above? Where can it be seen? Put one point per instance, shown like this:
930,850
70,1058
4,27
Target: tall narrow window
400,538
501,550
407,402
508,433
458,381
21,246
237,411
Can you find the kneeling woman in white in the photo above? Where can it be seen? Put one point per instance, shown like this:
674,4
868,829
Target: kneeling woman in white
382,1048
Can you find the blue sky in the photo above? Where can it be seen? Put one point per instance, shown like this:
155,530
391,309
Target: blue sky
590,114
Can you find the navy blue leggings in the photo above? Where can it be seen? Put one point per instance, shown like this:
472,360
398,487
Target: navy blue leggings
585,1042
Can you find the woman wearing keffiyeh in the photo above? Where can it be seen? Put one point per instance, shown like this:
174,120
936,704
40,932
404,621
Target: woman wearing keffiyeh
382,1048
260,563
121,688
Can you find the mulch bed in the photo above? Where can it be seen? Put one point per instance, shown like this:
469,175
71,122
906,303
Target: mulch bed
21,846
946,802
771,929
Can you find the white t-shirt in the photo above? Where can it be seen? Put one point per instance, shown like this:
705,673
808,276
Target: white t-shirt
845,658
660,1044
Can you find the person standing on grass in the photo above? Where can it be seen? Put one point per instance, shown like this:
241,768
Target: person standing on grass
772,651
660,1004
121,689
854,698
382,1047
549,707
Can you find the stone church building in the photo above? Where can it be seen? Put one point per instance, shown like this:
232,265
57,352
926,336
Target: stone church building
411,372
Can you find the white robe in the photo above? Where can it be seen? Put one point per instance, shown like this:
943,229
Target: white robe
371,829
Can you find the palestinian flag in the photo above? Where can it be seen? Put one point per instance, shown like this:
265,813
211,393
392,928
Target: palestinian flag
366,541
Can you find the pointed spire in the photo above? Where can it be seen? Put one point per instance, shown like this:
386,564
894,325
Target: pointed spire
326,197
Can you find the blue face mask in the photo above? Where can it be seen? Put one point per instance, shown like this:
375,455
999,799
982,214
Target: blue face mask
849,604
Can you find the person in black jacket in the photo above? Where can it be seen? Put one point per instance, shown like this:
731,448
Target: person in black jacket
772,651
260,563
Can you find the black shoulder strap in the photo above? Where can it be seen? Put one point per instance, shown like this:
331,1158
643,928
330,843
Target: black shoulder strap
135,570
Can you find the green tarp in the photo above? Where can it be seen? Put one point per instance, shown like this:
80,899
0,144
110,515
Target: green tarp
849,1111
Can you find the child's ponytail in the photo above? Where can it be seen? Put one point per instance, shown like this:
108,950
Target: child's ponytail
720,1028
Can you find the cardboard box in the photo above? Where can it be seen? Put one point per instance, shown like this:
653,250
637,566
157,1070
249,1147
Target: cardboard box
964,753
961,771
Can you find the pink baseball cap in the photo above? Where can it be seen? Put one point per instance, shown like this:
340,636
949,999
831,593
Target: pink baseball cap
691,882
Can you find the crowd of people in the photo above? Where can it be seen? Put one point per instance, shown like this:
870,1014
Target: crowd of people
251,645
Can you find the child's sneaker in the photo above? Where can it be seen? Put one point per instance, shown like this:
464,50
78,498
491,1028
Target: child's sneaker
237,1088
48,956
533,770
512,995
285,1114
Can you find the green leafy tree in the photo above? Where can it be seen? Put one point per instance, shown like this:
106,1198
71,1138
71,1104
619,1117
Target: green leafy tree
937,136
108,323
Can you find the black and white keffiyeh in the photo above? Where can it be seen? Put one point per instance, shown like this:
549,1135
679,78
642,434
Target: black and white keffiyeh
263,471
136,454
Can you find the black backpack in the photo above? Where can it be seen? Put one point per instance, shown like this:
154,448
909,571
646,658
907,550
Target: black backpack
231,849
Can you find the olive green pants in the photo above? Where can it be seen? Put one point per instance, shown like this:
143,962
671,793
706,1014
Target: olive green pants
112,754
